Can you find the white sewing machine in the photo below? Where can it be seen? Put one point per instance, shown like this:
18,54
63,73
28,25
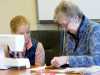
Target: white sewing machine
16,44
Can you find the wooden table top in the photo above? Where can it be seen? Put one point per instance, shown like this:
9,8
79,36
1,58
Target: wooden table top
21,71
28,72
47,71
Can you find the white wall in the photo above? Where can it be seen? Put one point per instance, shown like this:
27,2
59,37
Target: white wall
10,8
90,7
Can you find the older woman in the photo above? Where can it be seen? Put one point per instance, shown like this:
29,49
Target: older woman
33,49
82,39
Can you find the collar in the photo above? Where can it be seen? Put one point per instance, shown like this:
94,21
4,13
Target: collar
83,27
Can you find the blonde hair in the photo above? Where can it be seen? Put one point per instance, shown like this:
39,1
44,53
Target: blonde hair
18,21
68,9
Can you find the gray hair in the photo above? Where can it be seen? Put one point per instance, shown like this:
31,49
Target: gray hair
68,9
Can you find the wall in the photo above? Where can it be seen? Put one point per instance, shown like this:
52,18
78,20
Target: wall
10,8
90,8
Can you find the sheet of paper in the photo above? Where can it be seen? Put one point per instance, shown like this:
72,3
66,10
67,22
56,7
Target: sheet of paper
91,69
3,67
38,68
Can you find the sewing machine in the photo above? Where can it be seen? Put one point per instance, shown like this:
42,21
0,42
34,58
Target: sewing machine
16,44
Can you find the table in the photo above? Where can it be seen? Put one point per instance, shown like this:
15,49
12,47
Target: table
47,71
26,72
29,72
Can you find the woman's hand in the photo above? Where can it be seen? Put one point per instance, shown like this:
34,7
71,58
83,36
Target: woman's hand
28,45
59,61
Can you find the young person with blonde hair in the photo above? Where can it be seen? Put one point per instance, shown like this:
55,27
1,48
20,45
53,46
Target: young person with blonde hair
33,49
